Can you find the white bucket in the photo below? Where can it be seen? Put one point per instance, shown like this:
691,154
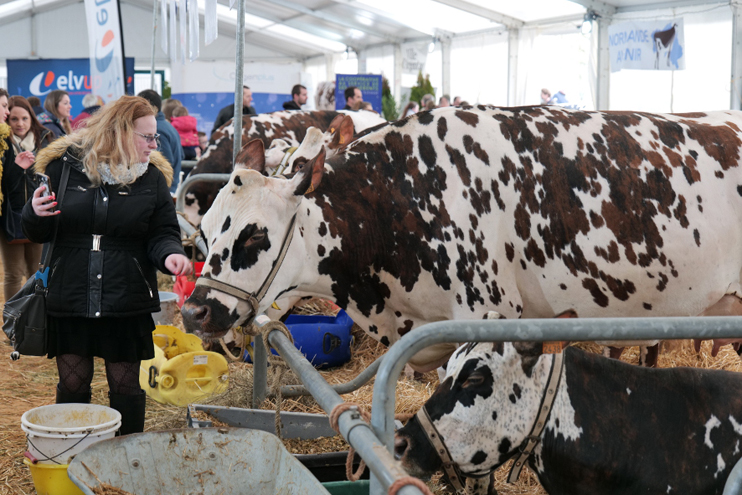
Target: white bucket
58,432
168,308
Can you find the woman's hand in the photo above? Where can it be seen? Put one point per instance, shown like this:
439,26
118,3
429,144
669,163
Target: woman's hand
178,264
43,205
25,159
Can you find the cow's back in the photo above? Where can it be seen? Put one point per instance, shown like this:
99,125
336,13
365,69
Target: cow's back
533,211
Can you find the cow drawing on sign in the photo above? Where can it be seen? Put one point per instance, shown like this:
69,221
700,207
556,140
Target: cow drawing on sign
663,41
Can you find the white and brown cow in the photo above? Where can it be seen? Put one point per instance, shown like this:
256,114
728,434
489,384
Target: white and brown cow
278,131
527,211
613,428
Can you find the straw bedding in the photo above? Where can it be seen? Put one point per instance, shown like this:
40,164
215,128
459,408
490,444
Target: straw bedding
31,382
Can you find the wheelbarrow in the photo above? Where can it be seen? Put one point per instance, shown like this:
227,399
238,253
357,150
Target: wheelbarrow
205,461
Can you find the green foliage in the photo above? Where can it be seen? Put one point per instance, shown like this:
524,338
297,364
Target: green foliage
166,90
388,103
422,88
389,108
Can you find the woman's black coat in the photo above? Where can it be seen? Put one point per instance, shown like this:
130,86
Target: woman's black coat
138,231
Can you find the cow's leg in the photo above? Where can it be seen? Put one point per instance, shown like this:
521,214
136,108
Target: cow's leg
729,305
612,352
648,355
481,486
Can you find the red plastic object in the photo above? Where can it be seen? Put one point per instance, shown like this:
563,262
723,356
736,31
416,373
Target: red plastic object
184,287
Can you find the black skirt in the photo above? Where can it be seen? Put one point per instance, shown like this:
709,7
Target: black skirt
116,340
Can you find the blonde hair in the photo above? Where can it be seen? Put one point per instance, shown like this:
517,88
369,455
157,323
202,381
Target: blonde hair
180,112
52,102
168,106
109,138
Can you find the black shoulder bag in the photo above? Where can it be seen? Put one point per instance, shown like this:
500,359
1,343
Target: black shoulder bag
24,314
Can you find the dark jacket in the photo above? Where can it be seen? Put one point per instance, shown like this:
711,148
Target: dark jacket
170,147
138,231
291,105
52,123
17,184
227,113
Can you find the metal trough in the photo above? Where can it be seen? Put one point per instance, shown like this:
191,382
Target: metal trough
205,461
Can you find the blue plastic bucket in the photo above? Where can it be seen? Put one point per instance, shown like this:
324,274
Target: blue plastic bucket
324,340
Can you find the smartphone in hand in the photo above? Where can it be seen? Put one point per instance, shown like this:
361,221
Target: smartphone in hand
46,184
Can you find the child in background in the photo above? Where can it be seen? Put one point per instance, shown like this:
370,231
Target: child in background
186,127
203,142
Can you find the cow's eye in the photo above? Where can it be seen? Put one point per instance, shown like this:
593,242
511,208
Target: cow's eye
257,237
299,164
475,379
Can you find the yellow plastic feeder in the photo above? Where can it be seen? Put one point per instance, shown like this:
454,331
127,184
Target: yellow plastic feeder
181,371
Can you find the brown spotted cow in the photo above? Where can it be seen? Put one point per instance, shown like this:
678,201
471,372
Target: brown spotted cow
278,131
614,429
526,211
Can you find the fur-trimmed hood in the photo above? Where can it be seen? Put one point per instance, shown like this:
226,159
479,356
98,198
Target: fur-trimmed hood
58,148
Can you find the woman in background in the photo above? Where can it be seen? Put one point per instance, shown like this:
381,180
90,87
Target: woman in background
56,114
20,257
411,108
117,227
187,131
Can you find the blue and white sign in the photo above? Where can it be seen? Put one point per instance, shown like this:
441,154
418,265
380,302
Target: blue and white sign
369,84
40,77
649,45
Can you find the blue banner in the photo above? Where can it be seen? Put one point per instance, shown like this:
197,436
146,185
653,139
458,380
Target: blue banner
40,77
369,84
205,106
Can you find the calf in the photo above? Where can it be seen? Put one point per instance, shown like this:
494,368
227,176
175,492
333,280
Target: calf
613,428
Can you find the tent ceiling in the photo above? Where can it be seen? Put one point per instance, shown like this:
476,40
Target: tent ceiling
299,29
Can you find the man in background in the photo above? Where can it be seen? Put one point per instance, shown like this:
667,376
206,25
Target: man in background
169,142
352,96
227,113
35,103
298,98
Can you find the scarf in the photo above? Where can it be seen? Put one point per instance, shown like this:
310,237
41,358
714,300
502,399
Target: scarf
125,174
28,143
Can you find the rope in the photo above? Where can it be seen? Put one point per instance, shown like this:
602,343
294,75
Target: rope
408,480
275,325
227,352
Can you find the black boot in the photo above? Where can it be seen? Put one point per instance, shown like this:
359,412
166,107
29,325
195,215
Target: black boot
131,408
67,398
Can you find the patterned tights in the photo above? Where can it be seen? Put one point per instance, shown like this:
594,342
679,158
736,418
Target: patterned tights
76,374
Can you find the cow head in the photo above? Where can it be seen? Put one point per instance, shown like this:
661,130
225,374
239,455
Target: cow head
483,409
245,230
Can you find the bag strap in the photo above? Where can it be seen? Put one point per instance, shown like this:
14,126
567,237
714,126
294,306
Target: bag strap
50,247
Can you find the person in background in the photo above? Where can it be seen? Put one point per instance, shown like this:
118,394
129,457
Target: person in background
411,108
35,104
100,301
203,142
169,142
227,113
56,114
92,104
427,102
298,98
352,95
188,132
20,257
363,105
445,101
456,101
168,106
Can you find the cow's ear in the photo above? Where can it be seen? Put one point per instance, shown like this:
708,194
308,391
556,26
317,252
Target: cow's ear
310,175
529,352
335,124
252,156
343,134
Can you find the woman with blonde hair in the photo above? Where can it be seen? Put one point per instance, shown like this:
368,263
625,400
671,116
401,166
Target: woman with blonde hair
56,114
116,228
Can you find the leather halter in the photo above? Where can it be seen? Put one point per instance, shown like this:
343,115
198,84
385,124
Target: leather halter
547,402
450,467
284,162
253,299
524,452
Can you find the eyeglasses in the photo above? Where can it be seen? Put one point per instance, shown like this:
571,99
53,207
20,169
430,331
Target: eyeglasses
149,137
